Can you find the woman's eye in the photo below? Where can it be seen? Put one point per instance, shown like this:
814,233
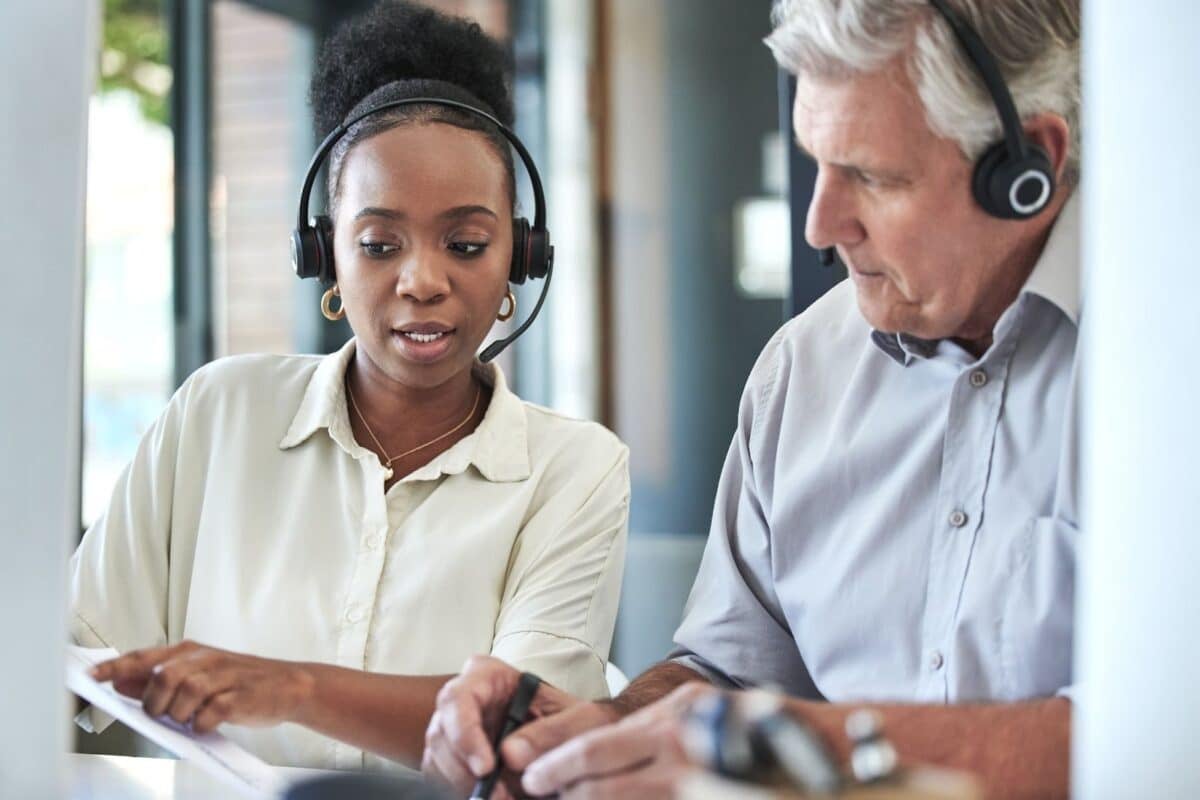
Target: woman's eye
468,248
378,249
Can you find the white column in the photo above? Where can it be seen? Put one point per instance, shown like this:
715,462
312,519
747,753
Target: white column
1137,719
572,197
47,57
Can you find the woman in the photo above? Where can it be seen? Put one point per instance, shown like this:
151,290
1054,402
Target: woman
341,533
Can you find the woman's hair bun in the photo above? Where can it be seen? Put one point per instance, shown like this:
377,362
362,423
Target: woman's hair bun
398,40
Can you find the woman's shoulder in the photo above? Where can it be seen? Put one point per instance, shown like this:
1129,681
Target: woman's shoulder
553,434
258,377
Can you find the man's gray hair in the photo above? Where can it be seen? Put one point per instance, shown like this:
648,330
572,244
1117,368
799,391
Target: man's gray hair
1035,43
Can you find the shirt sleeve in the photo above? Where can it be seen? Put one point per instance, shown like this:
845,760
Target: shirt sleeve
560,601
734,631
118,576
119,573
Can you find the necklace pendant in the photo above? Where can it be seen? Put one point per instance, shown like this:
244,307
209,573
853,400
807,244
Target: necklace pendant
387,474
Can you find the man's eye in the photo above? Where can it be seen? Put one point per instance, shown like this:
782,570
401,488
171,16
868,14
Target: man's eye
468,248
864,178
378,249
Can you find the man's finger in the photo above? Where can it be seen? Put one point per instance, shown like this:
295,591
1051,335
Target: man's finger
653,783
604,752
531,741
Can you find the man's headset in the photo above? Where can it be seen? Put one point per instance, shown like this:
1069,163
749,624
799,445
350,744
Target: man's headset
1014,178
532,255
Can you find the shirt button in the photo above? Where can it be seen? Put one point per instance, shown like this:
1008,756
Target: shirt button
958,518
978,379
355,614
373,541
936,660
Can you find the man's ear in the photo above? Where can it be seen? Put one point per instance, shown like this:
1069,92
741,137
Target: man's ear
1051,133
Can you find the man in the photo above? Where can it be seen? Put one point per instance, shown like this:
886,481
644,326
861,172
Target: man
895,525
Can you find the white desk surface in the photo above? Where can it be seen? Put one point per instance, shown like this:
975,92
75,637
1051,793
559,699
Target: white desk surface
125,778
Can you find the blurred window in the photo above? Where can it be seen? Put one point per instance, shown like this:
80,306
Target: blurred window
128,347
262,139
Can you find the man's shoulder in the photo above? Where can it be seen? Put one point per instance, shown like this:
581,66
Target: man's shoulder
827,335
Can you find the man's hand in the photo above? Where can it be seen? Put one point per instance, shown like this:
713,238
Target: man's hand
470,708
639,756
204,687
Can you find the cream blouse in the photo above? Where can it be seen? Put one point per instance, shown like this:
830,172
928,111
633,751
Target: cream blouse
251,520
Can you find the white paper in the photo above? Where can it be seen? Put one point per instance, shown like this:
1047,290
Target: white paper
210,751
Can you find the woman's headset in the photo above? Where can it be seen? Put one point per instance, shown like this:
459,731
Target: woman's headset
532,255
1014,178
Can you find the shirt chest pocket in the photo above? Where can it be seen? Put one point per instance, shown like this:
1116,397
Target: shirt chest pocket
1037,625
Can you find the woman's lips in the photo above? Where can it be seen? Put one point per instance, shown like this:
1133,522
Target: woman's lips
423,346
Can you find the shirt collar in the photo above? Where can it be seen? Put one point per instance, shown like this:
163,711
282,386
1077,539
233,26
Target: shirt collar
903,347
1055,278
498,447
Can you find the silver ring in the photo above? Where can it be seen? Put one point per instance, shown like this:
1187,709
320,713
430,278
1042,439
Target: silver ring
1036,205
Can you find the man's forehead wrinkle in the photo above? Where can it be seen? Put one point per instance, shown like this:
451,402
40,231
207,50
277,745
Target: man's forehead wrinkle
838,133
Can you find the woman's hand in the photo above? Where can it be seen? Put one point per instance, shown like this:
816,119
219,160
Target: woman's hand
203,686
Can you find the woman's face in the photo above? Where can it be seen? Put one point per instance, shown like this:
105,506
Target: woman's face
422,245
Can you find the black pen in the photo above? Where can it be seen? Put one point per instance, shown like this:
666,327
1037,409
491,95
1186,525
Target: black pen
514,717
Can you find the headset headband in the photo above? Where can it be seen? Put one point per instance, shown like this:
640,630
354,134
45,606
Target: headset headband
985,64
314,166
533,255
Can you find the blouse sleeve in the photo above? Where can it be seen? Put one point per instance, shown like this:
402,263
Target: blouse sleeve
560,602
119,573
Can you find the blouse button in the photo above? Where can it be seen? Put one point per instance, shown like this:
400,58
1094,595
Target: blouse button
356,614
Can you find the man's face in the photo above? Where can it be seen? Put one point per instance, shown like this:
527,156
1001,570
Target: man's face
895,199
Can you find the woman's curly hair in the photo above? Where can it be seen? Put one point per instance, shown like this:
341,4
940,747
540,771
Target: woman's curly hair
400,50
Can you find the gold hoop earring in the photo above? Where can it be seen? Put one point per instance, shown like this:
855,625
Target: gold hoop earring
326,302
505,316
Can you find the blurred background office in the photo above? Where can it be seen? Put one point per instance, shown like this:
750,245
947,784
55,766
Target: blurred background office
657,125
659,133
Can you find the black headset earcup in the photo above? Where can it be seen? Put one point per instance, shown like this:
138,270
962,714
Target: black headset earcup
305,257
312,250
518,269
541,254
1013,188
532,253
324,227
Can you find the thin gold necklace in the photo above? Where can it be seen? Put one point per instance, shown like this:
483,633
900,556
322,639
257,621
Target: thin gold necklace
384,458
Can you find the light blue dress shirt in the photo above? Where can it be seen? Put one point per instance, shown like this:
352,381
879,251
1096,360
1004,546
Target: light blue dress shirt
896,519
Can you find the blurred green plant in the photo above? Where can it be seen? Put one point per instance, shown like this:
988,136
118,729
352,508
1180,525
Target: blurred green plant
134,54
